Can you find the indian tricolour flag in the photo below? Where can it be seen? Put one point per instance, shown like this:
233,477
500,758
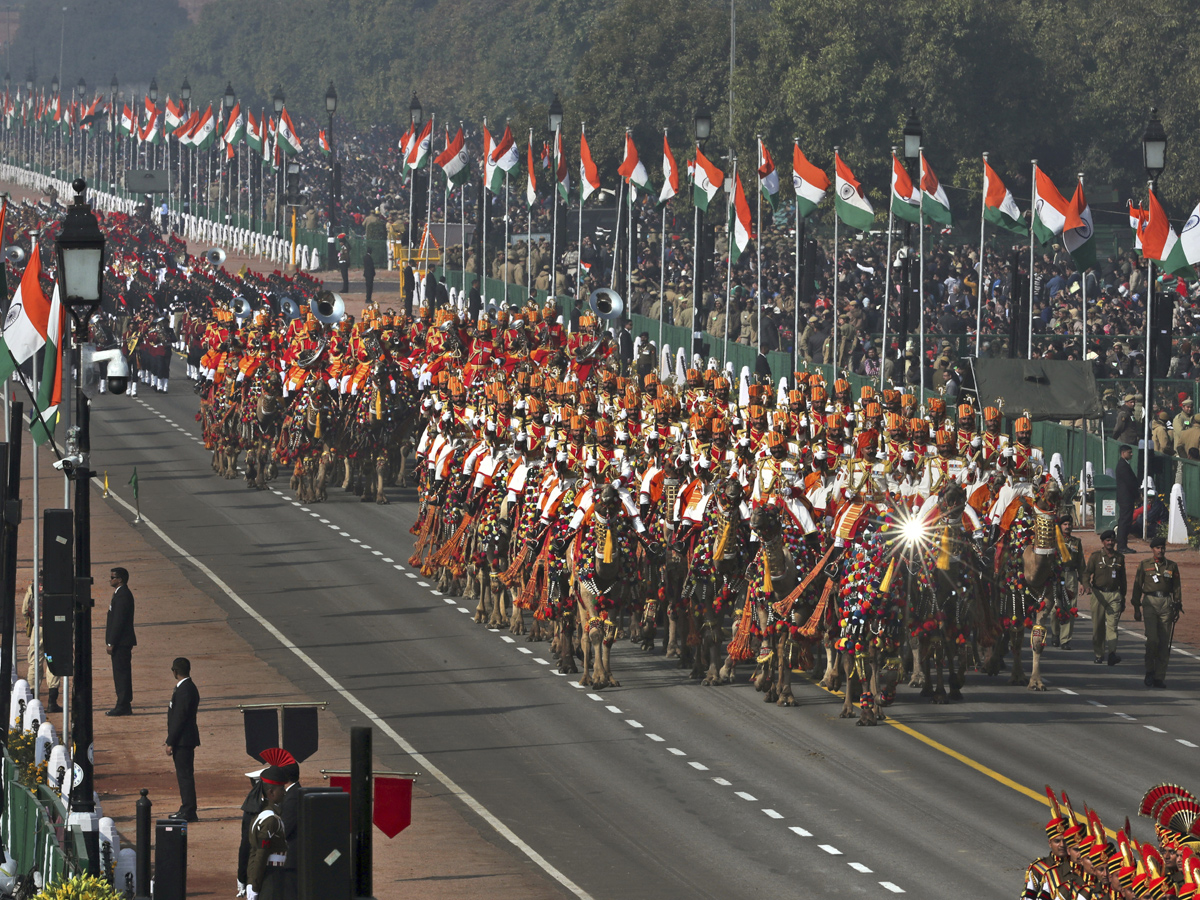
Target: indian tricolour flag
323,143
530,179
706,181
505,155
934,202
418,153
50,387
454,160
852,205
1079,235
235,127
562,175
1160,243
811,183
286,138
589,175
999,207
173,113
670,173
489,165
741,226
1189,237
1049,207
768,175
127,125
906,199
1137,221
205,133
254,133
633,171
24,330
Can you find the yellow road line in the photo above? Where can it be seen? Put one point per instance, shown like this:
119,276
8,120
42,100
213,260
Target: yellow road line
890,719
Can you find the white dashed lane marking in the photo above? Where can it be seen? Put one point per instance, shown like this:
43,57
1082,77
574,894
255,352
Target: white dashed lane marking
830,849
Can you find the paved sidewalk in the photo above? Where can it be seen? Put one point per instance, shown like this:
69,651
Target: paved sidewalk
175,618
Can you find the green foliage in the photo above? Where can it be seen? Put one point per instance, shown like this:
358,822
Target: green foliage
81,887
96,41
1069,82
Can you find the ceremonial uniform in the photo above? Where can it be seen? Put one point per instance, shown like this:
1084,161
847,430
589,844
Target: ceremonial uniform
1105,576
1157,599
1063,624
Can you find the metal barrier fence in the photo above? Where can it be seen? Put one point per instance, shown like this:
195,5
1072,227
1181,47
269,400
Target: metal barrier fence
31,835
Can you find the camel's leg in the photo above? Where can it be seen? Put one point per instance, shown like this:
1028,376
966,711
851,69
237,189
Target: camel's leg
958,672
939,654
925,660
476,585
609,636
1037,644
566,645
381,466
871,712
1016,638
516,624
784,661
847,667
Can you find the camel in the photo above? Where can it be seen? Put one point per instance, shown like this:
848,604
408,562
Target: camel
946,605
1028,577
777,581
597,566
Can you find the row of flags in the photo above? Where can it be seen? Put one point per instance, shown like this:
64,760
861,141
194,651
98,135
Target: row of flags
272,137
1052,216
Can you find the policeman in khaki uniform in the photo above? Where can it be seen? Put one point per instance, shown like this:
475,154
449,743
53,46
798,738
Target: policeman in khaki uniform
1157,590
1104,579
1062,630
268,844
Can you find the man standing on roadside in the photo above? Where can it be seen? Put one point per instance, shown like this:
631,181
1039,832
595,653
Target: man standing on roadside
368,267
120,640
289,812
1104,579
1157,590
183,736
39,659
1127,497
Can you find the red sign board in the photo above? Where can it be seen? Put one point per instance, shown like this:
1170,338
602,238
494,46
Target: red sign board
393,802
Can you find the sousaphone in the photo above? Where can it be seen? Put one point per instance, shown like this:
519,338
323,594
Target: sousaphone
606,303
328,308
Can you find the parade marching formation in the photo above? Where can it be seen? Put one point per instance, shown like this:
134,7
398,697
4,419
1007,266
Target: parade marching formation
1085,864
789,526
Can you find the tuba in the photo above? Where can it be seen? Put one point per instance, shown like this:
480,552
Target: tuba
328,308
214,257
606,303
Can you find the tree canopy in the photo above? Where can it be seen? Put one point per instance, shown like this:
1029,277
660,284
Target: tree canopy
1069,82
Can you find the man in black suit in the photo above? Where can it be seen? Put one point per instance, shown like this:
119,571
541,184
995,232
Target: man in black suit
625,346
368,267
120,640
289,812
183,736
1127,497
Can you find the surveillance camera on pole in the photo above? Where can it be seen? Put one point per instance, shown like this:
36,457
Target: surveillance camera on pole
111,366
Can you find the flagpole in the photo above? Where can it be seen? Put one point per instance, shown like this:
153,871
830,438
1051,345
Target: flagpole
1148,405
429,196
616,242
504,270
529,229
662,270
483,277
629,262
834,361
730,210
1083,475
552,292
796,270
887,290
462,216
37,555
1083,293
757,252
579,242
921,275
695,256
982,237
1032,239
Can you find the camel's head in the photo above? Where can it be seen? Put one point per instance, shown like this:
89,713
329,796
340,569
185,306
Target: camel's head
609,501
730,494
765,522
952,498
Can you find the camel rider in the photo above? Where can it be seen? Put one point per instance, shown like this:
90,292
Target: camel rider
774,471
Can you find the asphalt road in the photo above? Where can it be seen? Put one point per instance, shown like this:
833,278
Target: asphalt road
660,788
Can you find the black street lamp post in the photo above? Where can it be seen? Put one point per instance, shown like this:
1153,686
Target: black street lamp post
80,249
277,99
1158,346
416,115
115,127
912,154
185,93
335,178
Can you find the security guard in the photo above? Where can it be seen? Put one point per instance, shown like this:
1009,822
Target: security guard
1156,587
1104,579
1062,625
268,845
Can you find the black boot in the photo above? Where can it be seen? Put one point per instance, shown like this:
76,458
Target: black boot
53,704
